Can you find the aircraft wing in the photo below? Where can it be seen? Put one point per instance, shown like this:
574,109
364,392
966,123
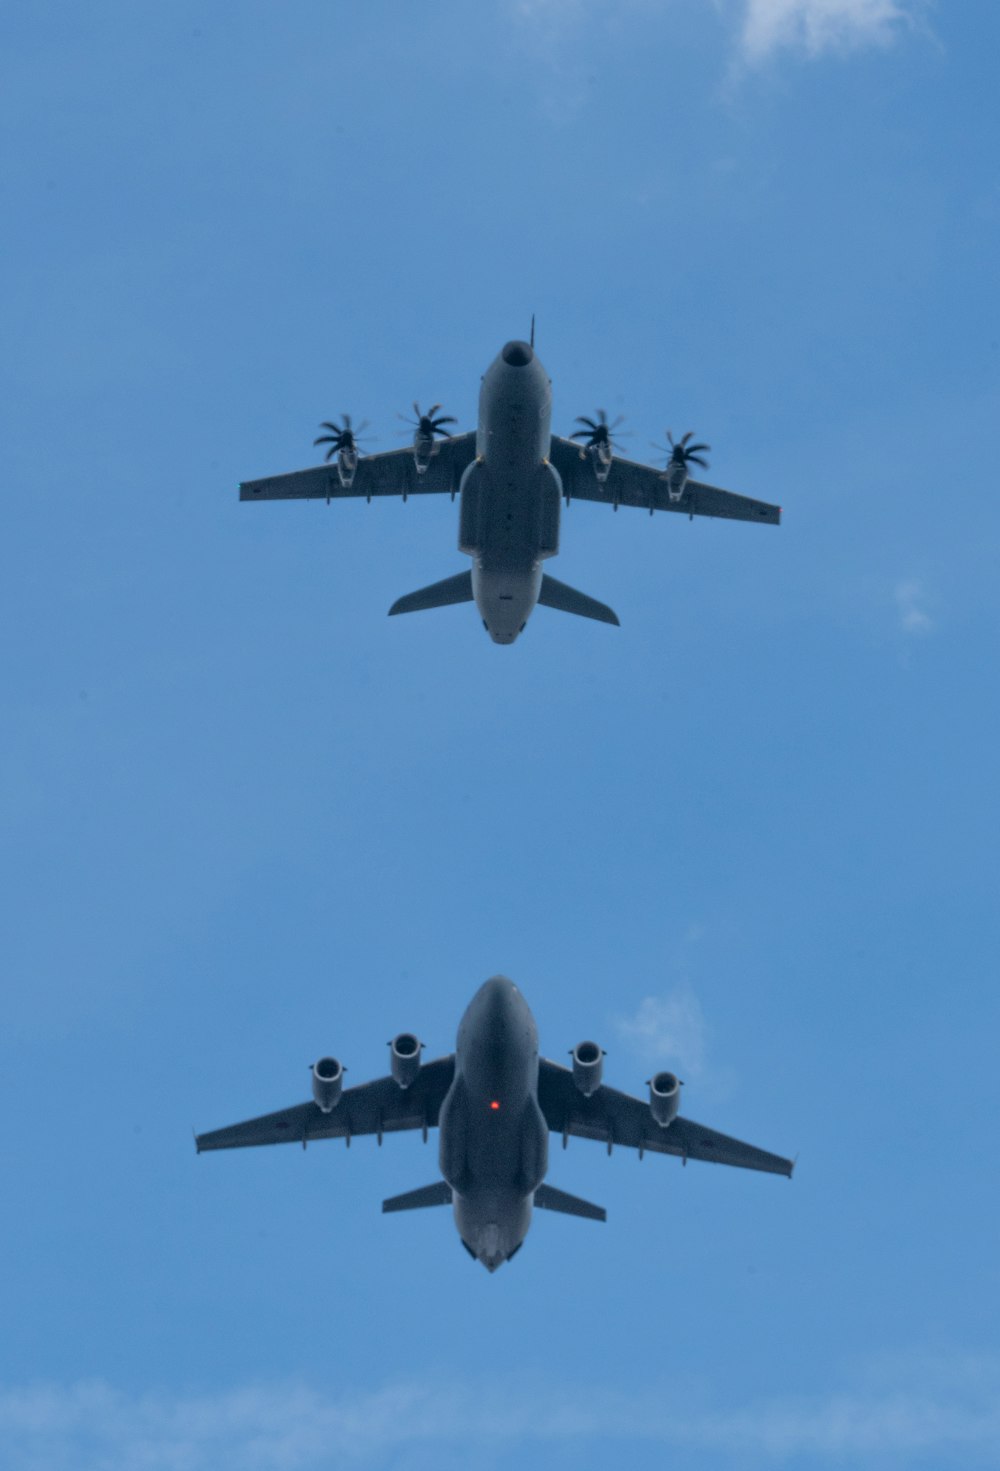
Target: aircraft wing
616,1118
381,1107
391,473
632,484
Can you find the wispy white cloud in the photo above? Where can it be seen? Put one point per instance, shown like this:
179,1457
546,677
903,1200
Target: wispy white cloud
761,27
814,26
913,616
918,1410
668,1029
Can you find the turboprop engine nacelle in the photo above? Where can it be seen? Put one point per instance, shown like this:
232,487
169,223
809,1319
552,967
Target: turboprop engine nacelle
404,1052
423,451
347,467
664,1098
676,477
327,1083
601,457
588,1065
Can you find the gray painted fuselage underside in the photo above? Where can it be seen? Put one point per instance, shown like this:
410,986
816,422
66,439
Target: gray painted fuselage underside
493,1137
510,493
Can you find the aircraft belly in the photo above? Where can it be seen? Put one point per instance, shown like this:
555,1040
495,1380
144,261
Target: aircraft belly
509,525
494,1137
505,1165
520,513
510,511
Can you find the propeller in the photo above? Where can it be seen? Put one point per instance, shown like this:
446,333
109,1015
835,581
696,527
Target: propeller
598,432
341,436
681,453
432,423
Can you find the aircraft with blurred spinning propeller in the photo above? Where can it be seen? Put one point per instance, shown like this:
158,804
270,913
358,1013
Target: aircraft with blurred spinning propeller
510,475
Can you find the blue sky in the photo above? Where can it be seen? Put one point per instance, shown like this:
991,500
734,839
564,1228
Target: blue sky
247,818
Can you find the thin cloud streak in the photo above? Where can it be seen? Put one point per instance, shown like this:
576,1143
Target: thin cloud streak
90,1426
762,27
815,26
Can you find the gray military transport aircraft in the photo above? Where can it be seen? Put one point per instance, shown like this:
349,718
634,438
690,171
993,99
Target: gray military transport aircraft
495,1102
510,475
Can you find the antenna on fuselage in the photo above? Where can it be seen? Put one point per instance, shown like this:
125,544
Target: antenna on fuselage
532,338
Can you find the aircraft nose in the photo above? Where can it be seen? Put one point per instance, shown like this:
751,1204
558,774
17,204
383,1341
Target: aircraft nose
518,354
496,993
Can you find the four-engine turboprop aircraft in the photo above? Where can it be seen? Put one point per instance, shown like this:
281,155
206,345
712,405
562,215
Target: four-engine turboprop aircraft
510,475
494,1102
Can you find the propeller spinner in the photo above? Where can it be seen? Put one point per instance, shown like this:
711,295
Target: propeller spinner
432,423
342,438
682,453
598,433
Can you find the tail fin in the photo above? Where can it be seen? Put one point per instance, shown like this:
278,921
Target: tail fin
555,594
437,1194
438,595
548,1198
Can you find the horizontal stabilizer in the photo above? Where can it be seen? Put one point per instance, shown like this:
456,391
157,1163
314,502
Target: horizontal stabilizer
414,1200
556,594
439,595
548,1198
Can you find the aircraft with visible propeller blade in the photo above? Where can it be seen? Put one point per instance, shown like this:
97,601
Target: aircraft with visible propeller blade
511,476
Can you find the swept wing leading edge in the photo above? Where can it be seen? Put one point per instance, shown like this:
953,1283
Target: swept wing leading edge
614,1118
632,484
392,472
380,1107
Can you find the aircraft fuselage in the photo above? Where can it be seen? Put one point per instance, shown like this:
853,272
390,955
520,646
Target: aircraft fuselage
510,493
493,1137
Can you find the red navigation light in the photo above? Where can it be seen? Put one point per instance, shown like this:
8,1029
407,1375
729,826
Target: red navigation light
495,1105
